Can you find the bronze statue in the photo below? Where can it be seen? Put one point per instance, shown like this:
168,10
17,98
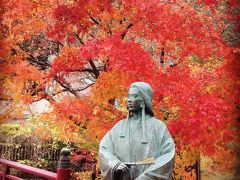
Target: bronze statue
140,146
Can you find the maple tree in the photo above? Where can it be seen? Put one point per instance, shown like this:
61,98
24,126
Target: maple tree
82,55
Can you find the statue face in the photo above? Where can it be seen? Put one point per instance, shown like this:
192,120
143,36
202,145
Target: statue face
134,100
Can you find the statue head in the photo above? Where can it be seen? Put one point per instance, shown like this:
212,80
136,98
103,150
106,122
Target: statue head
140,96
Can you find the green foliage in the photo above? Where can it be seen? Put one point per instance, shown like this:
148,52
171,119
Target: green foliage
39,162
9,129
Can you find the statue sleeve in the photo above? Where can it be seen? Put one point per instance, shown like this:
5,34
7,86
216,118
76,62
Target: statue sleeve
106,156
163,167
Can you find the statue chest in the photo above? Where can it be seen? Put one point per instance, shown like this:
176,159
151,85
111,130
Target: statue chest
131,149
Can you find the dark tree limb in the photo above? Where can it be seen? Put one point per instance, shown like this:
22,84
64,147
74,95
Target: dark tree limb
90,77
79,39
66,87
162,55
35,60
81,70
95,70
81,89
6,99
94,20
126,30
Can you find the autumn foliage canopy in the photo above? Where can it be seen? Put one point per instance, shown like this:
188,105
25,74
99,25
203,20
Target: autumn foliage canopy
81,56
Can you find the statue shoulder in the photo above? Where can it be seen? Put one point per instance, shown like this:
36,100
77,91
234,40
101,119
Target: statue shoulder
115,129
156,122
119,124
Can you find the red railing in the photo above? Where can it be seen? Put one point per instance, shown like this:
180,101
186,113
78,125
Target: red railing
63,172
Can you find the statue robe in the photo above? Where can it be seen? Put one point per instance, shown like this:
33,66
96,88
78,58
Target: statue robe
160,145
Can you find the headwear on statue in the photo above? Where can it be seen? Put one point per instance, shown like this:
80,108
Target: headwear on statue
146,92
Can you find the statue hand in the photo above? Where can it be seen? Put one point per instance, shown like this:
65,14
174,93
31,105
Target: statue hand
121,171
123,167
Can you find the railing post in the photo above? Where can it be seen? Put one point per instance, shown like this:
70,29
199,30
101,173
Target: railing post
6,171
63,171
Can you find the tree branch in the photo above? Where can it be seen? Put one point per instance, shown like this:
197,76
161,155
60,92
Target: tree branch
81,89
86,71
80,40
6,99
68,88
95,70
90,77
94,20
50,97
162,55
81,70
43,64
32,58
126,30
